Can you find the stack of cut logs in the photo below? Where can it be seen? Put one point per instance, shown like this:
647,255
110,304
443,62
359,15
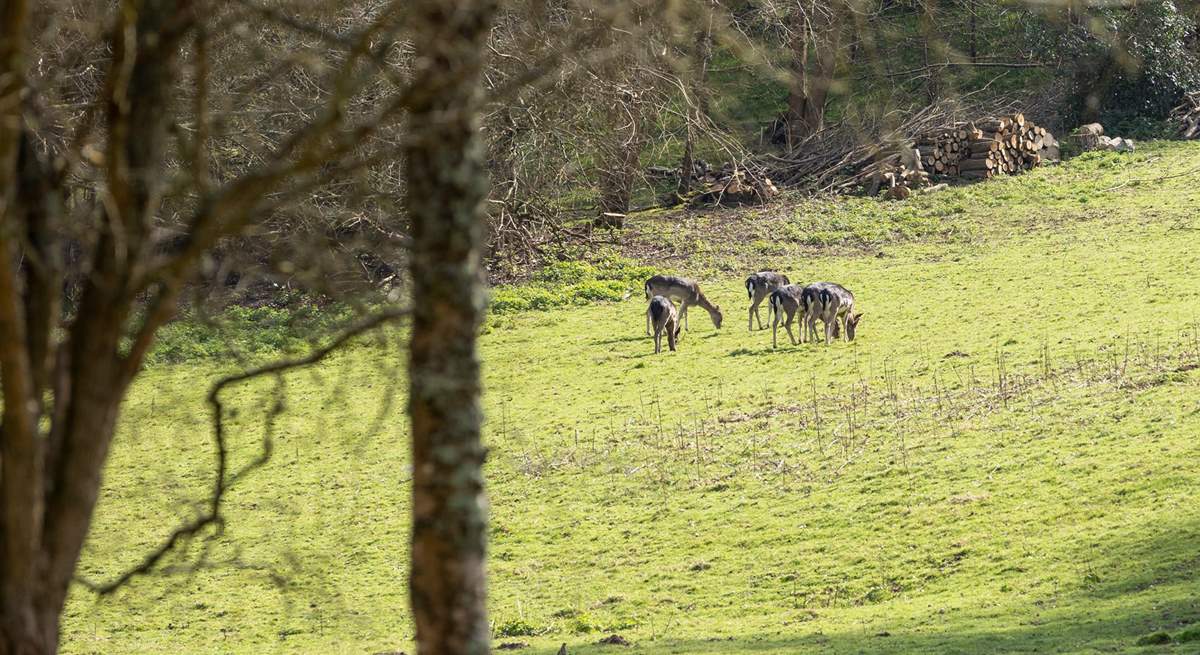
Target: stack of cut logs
1187,116
894,177
983,149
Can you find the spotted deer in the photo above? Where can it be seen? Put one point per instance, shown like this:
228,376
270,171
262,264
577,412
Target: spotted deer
661,315
785,300
687,292
759,287
833,304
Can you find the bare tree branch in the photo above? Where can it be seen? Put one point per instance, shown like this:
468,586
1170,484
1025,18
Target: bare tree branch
223,480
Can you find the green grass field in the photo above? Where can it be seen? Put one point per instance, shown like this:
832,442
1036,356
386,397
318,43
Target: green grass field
1005,461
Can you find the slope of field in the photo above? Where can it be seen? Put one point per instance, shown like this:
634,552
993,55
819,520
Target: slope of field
1004,462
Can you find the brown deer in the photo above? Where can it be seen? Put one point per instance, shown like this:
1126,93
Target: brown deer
833,304
662,316
785,300
759,287
687,292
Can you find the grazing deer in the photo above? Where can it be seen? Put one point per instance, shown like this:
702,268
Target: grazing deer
662,315
759,286
785,300
833,304
687,292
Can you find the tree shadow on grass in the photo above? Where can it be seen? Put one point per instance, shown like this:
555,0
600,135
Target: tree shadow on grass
1081,632
616,340
1136,587
765,351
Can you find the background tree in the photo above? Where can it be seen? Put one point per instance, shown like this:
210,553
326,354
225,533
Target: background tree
816,38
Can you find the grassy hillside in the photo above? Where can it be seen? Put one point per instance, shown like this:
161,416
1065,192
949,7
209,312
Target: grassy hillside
1004,462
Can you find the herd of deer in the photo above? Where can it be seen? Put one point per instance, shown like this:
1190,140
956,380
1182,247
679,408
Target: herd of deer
830,303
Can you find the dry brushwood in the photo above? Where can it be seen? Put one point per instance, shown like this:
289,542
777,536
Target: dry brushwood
1187,116
734,185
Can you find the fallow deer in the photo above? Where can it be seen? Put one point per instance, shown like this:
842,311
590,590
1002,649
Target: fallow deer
833,304
662,316
759,287
785,300
687,292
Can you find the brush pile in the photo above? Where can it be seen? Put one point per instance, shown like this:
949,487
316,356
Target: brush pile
982,149
731,184
1187,116
734,185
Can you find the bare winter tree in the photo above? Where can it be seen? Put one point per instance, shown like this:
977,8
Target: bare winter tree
815,34
128,200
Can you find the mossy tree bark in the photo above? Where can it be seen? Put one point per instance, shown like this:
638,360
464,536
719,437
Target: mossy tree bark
62,389
447,186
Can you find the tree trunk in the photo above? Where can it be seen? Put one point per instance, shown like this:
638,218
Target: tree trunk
974,32
447,185
816,37
50,477
619,170
620,148
933,49
622,136
697,109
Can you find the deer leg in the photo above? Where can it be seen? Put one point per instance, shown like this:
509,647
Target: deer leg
657,339
788,324
775,329
683,314
671,335
829,331
753,313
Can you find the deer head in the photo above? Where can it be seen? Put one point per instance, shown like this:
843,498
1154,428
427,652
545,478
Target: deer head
852,325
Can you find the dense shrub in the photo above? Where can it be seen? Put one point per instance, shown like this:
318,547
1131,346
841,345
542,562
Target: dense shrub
1123,63
245,332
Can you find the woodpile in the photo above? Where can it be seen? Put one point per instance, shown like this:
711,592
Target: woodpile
1187,116
1091,137
978,150
972,150
898,176
734,185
